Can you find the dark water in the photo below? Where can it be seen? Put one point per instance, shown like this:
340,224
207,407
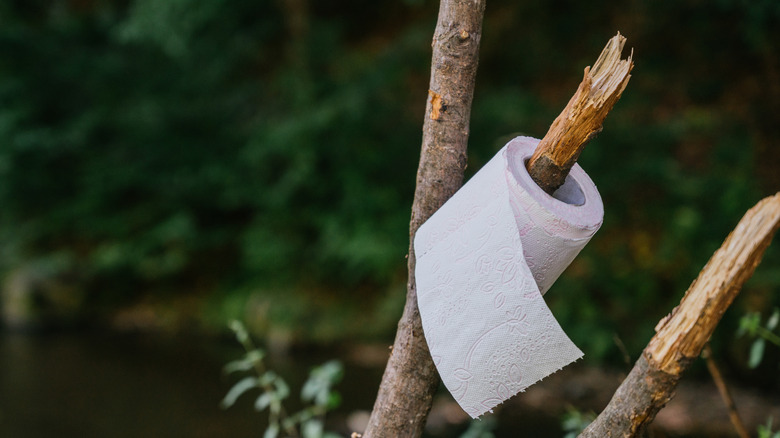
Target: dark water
87,384
93,385
110,385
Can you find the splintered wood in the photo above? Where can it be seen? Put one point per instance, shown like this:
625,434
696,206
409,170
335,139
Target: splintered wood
683,333
681,336
583,117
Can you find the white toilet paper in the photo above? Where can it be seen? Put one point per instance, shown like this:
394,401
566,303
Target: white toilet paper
484,259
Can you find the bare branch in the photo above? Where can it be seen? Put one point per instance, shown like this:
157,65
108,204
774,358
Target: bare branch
410,379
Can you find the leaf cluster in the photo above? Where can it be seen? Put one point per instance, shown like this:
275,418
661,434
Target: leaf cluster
750,325
575,421
317,392
765,430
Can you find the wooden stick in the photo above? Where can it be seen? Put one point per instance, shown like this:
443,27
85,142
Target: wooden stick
681,335
410,378
717,377
583,117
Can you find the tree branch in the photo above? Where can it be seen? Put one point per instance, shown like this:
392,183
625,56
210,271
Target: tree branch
681,335
410,379
583,117
717,377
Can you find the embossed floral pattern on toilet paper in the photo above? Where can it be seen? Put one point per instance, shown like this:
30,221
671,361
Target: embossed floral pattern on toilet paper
483,261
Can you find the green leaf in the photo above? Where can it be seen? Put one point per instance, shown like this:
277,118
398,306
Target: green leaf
282,390
268,378
331,371
263,401
765,431
756,353
255,355
237,365
334,400
276,404
239,388
771,324
749,324
240,331
310,389
289,422
575,422
312,429
322,397
272,431
482,428
318,386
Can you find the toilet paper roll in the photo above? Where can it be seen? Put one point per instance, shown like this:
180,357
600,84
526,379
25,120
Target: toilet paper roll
484,260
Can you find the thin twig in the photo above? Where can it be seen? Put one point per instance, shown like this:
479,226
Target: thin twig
583,117
622,347
724,392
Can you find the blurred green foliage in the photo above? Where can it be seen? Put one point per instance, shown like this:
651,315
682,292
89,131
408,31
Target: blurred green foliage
765,431
574,422
262,155
750,324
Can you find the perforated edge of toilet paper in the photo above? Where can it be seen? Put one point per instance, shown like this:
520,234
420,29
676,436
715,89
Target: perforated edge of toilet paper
484,260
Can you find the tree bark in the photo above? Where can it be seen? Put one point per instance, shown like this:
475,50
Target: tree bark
681,335
410,379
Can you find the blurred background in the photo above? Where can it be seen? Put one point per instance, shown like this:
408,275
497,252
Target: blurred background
167,166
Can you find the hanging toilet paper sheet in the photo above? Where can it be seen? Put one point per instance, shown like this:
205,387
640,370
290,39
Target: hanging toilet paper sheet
484,260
